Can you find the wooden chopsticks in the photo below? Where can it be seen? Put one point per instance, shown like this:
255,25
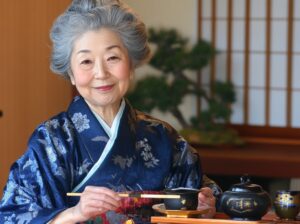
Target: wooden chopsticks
134,195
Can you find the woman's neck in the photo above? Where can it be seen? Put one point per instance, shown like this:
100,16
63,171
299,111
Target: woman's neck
107,113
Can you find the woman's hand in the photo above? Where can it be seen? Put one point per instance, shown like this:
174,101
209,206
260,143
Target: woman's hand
95,201
206,200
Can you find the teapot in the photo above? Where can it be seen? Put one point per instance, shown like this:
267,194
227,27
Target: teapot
245,201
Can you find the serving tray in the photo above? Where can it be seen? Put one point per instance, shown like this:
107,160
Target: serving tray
178,213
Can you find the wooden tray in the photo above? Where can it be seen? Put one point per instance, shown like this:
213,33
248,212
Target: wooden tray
179,213
269,218
158,219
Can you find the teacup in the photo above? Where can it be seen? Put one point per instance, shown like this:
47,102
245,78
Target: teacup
188,199
287,204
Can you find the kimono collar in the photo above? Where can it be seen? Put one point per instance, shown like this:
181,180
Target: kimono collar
90,132
113,128
95,141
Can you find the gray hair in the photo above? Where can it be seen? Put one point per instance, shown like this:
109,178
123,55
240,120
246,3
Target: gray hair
86,15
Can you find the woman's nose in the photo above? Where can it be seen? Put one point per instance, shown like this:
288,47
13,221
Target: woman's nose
99,70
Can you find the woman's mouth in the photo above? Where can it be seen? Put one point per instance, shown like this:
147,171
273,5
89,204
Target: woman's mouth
104,88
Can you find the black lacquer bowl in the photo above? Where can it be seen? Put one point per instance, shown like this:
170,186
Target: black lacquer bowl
188,199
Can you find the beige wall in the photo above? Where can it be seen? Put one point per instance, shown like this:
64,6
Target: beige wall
178,14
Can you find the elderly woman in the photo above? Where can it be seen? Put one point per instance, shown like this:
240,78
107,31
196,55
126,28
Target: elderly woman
100,145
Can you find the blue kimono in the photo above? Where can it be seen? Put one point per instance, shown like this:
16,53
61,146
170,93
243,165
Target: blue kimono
75,149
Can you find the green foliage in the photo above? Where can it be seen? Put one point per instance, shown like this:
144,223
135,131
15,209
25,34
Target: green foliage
148,94
218,111
173,58
172,54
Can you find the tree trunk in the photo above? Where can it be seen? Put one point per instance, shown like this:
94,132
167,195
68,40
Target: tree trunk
178,115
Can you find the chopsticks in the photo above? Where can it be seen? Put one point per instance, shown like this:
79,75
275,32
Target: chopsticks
134,195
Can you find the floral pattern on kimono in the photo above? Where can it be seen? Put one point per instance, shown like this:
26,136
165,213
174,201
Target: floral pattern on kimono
72,150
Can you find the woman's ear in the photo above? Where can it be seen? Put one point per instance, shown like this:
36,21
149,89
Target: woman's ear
72,80
131,76
70,73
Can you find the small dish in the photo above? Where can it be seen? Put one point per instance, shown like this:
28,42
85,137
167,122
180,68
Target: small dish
178,213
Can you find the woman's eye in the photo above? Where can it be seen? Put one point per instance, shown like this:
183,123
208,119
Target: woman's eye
86,62
113,58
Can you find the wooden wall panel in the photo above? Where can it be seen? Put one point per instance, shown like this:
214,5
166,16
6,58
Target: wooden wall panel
29,92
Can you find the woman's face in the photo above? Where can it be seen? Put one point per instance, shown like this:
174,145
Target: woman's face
101,68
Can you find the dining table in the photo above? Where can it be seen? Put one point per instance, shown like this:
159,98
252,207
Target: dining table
221,218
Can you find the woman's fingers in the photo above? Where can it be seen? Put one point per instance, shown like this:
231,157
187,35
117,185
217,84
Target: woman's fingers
103,197
207,192
101,191
101,203
96,200
206,200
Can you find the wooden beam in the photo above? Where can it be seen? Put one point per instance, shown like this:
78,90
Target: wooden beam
289,63
247,59
268,60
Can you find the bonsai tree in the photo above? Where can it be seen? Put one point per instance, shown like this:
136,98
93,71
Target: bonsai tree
166,92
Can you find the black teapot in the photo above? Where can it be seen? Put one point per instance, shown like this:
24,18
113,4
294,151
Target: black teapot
245,201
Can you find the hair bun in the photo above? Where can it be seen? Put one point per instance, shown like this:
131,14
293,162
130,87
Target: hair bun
86,5
107,2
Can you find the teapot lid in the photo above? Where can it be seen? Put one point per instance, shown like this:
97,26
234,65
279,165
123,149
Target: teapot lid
246,186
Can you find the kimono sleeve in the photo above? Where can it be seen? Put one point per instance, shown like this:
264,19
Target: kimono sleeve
187,172
37,182
186,168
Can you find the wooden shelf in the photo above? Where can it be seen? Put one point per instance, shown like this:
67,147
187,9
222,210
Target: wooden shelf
256,158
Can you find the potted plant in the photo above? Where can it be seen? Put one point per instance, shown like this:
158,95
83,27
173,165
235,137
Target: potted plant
166,92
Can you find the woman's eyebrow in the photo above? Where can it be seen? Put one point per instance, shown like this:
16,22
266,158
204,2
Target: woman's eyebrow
83,51
89,51
113,46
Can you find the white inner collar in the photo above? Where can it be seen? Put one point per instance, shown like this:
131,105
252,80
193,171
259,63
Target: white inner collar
107,129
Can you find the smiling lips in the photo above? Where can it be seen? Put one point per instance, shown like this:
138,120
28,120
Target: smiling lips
104,88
